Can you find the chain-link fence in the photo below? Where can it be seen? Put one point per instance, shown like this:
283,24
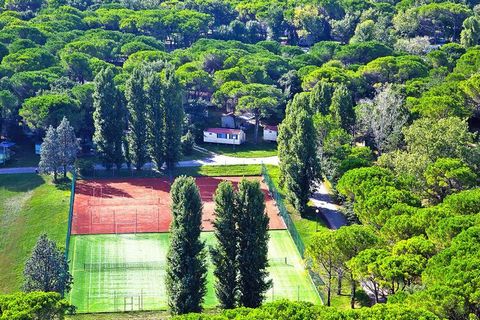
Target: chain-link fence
283,211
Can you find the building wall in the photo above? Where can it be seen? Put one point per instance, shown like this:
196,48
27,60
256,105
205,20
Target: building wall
269,135
213,137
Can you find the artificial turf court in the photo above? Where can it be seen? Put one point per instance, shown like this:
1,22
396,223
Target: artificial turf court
126,272
143,205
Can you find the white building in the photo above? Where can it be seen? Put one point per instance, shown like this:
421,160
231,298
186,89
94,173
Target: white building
270,133
224,135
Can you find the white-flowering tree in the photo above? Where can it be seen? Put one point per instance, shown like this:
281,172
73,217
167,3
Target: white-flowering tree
59,149
67,145
384,117
49,159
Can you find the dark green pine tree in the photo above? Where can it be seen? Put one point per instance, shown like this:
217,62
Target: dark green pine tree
47,268
186,258
253,237
108,125
321,97
299,164
341,108
174,114
224,253
155,118
137,125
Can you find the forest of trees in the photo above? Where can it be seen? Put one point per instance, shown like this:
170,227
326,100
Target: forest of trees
381,98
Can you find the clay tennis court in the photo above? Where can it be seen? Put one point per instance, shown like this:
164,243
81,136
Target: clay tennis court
143,205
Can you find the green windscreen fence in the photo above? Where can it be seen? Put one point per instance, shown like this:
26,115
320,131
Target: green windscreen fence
283,211
70,213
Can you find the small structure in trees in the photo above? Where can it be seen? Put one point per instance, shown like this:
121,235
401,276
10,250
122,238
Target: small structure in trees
270,133
224,136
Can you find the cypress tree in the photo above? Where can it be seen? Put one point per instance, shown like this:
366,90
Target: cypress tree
186,266
321,97
155,118
174,114
342,108
108,125
137,126
252,244
224,253
299,164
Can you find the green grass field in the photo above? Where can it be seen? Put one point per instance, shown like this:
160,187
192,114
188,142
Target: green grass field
29,206
126,272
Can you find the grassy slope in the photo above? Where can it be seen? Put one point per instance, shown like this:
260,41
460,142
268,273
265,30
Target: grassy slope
29,206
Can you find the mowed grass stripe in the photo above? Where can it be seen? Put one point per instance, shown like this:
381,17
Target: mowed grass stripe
115,289
29,206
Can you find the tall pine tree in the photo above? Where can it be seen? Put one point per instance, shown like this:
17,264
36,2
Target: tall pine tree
321,97
252,244
341,108
137,126
186,265
155,118
299,164
174,114
108,119
47,268
224,253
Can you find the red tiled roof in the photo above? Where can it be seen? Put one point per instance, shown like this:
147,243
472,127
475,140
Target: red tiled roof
273,128
223,130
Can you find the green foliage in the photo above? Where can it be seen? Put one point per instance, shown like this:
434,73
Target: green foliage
108,119
224,254
32,306
47,269
186,265
137,123
252,249
298,160
49,109
446,176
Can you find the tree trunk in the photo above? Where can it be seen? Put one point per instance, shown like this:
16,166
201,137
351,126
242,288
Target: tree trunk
55,175
257,124
339,283
329,288
64,171
353,293
375,291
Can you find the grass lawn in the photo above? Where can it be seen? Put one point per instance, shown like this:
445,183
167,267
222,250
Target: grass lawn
246,150
29,206
230,170
24,156
126,272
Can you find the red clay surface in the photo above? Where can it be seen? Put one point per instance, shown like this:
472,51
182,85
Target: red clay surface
143,205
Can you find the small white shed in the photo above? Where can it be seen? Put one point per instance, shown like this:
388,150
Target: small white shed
224,136
270,133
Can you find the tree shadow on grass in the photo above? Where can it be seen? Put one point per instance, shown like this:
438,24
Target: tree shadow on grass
20,182
63,183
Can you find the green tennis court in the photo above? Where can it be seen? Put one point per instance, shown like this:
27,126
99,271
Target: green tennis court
126,272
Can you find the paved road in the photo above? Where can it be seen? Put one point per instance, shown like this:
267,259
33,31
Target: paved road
18,170
328,209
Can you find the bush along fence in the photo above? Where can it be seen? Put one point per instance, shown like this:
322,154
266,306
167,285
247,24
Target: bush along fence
283,211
